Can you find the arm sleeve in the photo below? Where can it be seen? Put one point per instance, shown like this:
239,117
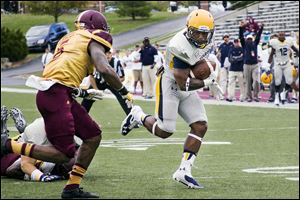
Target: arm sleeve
230,58
179,64
240,58
257,39
241,36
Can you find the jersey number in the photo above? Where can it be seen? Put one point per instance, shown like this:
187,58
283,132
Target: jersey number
60,49
283,51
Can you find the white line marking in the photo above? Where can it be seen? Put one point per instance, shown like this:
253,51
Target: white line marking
136,148
199,177
145,143
293,179
17,90
274,170
221,131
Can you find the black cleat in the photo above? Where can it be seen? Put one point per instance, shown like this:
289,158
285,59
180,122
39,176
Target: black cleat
130,122
78,193
18,118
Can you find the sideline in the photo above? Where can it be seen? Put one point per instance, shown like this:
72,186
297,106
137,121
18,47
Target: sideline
294,106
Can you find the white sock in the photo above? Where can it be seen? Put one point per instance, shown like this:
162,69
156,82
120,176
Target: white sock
187,161
139,115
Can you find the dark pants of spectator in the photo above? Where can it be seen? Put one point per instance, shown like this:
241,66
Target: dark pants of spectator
87,103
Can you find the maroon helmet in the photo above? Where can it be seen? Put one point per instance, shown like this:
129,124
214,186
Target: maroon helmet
91,19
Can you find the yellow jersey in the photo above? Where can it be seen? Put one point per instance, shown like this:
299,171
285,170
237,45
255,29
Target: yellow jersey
71,61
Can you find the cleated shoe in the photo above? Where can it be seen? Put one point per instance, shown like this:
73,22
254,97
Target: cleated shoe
78,193
18,118
130,121
4,118
4,138
283,97
184,177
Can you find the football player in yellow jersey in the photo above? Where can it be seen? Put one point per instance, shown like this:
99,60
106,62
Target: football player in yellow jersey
176,92
75,57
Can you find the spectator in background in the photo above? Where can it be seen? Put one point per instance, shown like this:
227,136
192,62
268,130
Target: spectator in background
116,53
236,58
97,82
159,58
148,71
127,66
251,70
223,54
47,56
136,68
173,6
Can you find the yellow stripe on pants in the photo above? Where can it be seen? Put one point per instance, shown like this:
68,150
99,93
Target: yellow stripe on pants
157,92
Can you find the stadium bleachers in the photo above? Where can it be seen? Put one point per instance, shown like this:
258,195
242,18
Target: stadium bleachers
276,16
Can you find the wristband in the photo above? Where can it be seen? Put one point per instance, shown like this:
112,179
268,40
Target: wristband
123,90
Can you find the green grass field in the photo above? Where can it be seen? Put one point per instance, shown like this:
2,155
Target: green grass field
117,24
258,137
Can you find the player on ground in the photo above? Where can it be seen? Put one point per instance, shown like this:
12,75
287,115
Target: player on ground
281,51
74,58
176,92
25,168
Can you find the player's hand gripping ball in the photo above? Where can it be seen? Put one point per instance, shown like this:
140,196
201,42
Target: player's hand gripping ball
201,70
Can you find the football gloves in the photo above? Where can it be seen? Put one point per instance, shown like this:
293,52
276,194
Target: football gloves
211,79
127,96
214,86
91,94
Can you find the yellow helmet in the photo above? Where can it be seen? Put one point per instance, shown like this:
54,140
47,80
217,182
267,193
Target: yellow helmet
294,71
200,28
266,78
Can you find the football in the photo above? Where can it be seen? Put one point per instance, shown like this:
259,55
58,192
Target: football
201,70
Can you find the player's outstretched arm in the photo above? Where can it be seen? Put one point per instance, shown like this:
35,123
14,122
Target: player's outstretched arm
102,65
